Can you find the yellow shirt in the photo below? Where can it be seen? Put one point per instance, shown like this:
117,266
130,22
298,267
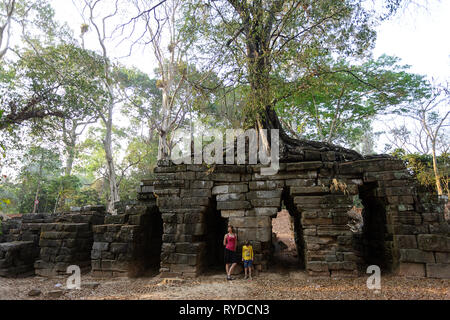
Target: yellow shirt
247,252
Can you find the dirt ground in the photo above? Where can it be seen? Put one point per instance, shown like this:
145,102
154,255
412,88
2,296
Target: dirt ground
290,285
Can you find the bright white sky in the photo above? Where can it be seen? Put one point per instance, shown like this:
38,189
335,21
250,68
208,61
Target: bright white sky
419,36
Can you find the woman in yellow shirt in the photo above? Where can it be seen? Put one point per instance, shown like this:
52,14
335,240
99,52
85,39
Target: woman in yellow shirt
247,258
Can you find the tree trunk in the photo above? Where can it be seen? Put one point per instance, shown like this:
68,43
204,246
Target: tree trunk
70,149
436,171
38,188
261,101
163,148
69,161
113,189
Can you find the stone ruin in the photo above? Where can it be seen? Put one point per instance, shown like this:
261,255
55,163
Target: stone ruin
177,224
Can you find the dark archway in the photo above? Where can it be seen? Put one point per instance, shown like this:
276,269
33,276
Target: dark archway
374,237
216,228
147,243
155,239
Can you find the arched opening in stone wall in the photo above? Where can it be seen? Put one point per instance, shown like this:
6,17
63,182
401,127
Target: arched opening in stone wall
147,242
287,236
155,239
374,236
215,230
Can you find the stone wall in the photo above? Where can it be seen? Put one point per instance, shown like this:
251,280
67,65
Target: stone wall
17,258
318,194
68,241
179,220
50,242
20,237
129,243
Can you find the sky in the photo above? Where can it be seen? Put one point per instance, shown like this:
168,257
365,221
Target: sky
420,36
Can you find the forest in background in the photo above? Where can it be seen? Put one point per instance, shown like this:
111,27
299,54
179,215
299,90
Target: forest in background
78,126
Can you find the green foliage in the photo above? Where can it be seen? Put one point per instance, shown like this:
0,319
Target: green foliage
57,81
42,170
270,44
421,165
340,102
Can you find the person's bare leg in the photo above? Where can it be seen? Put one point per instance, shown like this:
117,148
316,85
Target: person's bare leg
245,270
232,268
250,272
227,268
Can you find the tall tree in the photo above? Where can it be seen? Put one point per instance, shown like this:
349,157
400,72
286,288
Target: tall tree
337,107
7,8
98,16
170,45
47,84
259,39
432,114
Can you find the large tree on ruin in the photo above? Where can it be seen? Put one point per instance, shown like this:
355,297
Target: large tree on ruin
262,44
268,46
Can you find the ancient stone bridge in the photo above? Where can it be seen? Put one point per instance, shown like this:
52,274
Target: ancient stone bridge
178,222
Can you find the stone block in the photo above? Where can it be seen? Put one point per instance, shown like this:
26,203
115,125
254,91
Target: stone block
232,213
201,184
184,175
263,194
274,202
247,234
264,234
317,221
310,200
233,205
442,257
119,247
310,190
405,241
195,193
301,183
169,217
117,219
189,248
411,270
234,188
263,222
438,270
266,211
226,177
416,256
434,242
266,185
230,197
342,265
302,166
194,217
195,229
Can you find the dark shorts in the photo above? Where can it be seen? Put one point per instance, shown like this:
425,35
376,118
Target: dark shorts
248,263
230,256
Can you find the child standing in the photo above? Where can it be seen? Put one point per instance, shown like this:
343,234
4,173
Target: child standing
247,258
